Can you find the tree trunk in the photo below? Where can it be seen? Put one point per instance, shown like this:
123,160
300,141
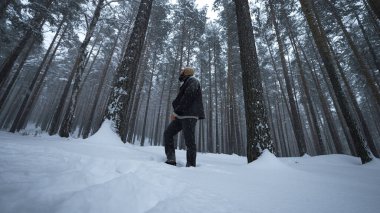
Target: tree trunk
281,87
333,130
78,69
148,101
231,136
314,122
375,6
35,25
55,122
320,40
372,17
135,107
171,82
159,116
370,47
210,142
258,137
358,111
284,150
11,84
327,113
201,140
313,117
364,68
33,89
126,72
3,7
276,141
295,117
216,68
87,127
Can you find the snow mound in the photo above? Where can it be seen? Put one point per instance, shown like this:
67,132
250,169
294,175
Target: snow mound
105,135
268,160
49,174
375,163
333,159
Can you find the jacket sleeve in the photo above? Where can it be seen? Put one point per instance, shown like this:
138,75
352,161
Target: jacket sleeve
188,97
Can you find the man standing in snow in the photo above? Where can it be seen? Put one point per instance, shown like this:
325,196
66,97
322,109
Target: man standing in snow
188,108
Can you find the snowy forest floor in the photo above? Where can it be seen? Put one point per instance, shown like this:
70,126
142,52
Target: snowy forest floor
100,174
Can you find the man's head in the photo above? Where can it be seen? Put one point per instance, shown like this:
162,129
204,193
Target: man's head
185,73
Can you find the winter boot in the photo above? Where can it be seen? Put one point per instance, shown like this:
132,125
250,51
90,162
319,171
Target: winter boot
171,162
190,164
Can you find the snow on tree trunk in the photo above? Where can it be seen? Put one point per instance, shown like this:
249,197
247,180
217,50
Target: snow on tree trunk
88,125
258,137
78,69
126,72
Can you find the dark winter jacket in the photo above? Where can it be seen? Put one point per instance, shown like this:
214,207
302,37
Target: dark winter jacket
189,99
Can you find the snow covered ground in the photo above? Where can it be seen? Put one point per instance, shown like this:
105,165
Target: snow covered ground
50,174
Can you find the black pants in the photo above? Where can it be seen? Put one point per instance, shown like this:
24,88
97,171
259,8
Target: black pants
187,126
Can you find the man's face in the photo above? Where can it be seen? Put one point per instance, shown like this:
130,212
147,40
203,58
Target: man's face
181,76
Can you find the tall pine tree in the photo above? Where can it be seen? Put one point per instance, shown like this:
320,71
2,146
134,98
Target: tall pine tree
328,61
258,137
127,70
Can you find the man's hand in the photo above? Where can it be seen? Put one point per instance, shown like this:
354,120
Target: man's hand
172,117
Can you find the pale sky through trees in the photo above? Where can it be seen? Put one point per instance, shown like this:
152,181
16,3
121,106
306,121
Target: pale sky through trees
210,13
201,3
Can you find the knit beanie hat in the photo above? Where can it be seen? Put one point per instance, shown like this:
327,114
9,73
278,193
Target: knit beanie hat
188,71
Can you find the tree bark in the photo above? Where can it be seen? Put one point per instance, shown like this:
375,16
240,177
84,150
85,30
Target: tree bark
135,106
372,17
295,117
370,47
210,142
126,72
148,100
258,137
231,133
34,87
375,6
320,40
326,111
159,116
78,69
36,23
357,109
216,68
3,7
333,130
15,76
87,127
364,68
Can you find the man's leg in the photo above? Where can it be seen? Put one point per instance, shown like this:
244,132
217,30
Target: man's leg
189,134
174,127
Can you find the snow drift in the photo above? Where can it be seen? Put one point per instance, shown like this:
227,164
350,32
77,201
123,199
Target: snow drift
101,174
